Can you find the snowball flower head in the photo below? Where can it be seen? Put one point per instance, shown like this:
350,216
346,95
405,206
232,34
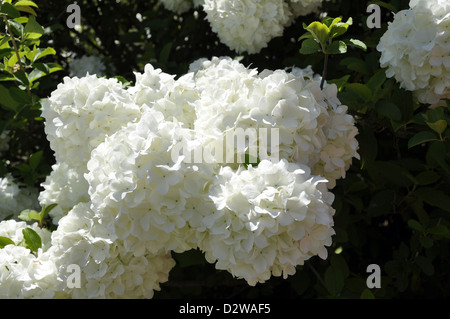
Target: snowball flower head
81,112
139,187
268,219
247,25
87,64
416,49
109,269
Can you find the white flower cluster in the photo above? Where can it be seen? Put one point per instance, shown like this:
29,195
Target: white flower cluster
247,25
15,197
87,64
416,49
128,197
23,274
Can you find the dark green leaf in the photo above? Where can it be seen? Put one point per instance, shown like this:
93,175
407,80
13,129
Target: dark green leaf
35,159
438,126
9,10
5,241
427,178
165,53
422,137
32,239
414,224
27,9
367,294
16,27
434,197
440,230
360,90
389,110
334,280
437,154
32,30
337,47
309,46
7,101
425,264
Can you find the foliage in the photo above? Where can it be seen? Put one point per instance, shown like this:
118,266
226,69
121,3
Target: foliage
392,209
22,85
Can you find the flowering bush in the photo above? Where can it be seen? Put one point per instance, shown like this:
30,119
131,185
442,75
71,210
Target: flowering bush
275,159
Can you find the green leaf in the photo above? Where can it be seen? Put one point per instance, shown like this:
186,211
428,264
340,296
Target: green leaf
5,241
32,30
42,53
341,82
439,126
440,230
437,154
425,264
367,294
165,53
309,46
32,240
336,31
45,210
360,90
306,36
425,241
414,224
27,9
21,77
422,137
334,280
29,215
357,43
337,47
376,81
16,27
20,96
9,10
427,178
389,110
356,64
320,31
35,159
7,101
434,197
43,69
26,3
